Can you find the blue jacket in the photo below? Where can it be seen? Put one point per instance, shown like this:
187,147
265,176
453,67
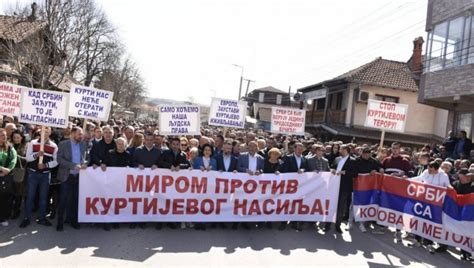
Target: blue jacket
198,163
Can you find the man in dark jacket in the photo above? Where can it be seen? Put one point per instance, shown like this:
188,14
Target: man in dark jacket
175,160
101,149
295,162
449,144
226,161
345,166
463,146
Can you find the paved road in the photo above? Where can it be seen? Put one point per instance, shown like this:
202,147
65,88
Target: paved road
91,246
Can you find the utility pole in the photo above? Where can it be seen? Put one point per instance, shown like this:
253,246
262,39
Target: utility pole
241,79
248,85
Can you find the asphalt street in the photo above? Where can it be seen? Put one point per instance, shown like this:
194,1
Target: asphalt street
92,246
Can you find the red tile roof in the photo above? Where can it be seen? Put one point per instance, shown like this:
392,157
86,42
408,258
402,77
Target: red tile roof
17,29
386,73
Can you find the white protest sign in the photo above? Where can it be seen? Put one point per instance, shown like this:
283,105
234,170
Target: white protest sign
10,99
90,103
44,107
227,113
386,115
180,119
287,121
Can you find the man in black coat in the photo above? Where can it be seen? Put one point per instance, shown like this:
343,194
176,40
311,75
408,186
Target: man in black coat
101,148
295,162
346,167
463,146
226,161
174,158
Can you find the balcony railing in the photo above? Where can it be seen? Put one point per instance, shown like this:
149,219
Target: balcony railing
333,117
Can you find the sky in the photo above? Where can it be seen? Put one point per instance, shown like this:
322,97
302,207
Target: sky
185,49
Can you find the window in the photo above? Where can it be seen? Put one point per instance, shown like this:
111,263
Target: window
261,97
464,122
438,42
454,42
339,100
450,44
387,98
278,100
320,104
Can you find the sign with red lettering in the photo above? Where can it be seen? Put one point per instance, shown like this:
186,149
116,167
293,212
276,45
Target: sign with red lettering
10,99
415,207
387,116
161,195
288,121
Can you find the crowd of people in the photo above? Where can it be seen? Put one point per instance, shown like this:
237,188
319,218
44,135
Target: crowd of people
44,179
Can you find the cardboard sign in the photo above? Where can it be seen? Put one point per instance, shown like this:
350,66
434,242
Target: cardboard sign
10,99
90,103
387,116
44,107
288,121
180,120
227,113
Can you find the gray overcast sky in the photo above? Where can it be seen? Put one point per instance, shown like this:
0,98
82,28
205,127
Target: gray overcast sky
186,48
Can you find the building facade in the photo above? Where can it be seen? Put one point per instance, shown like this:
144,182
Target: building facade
447,80
338,106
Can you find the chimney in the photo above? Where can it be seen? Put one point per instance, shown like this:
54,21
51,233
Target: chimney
416,59
34,8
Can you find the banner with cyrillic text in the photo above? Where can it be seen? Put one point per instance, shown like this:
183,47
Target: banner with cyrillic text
10,99
161,195
180,120
288,121
90,103
414,207
227,113
44,107
387,116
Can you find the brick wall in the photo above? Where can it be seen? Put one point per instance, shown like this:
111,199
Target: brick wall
449,82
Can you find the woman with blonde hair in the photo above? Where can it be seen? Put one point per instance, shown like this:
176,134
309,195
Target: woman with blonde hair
137,141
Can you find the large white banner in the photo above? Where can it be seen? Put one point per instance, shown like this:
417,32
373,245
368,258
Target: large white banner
227,113
288,121
386,115
180,120
133,195
44,107
10,99
90,103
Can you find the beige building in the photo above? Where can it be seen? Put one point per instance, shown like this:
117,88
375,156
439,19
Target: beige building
336,108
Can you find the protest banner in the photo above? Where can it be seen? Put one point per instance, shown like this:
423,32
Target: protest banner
161,195
90,103
44,107
414,207
180,120
227,113
10,99
288,121
386,116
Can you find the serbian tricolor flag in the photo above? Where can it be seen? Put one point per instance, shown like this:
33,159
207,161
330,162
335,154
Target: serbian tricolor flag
458,213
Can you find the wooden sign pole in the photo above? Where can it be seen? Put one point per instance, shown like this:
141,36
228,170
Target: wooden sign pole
382,137
43,134
84,126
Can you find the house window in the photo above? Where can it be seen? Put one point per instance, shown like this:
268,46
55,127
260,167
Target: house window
464,122
278,101
320,104
261,97
387,98
339,101
450,44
